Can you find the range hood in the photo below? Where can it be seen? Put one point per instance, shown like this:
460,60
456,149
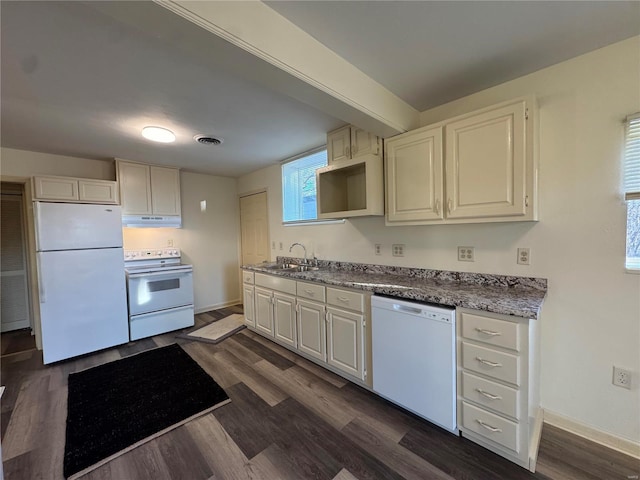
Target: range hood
152,221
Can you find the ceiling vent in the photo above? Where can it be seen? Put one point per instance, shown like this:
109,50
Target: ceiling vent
207,140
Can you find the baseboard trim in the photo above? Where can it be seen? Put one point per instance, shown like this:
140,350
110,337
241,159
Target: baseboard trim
218,305
614,442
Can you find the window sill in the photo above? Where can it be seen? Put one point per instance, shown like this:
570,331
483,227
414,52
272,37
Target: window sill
633,271
312,222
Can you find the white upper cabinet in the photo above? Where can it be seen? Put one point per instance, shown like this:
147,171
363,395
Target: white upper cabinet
414,175
149,189
350,142
486,164
165,190
76,190
479,167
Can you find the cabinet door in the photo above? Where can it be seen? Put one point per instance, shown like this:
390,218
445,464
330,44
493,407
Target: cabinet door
165,190
56,188
344,341
284,318
363,143
414,176
135,188
98,191
339,145
264,311
486,164
312,330
248,306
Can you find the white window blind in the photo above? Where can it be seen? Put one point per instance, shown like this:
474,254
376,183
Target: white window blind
299,187
632,158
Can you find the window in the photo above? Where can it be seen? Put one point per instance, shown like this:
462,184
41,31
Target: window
299,187
632,190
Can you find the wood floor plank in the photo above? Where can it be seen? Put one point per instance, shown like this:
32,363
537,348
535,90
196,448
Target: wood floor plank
323,373
223,455
266,353
248,420
138,346
269,463
245,354
395,456
203,353
182,454
309,393
268,392
344,474
144,462
562,458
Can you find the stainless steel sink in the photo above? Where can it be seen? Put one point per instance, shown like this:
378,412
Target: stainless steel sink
291,267
306,268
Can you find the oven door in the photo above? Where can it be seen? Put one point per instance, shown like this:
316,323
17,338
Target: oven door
154,291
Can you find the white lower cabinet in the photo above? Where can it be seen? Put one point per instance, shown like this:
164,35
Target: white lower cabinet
324,324
284,318
312,329
264,311
344,341
248,294
498,404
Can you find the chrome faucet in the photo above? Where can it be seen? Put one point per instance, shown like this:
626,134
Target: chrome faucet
303,247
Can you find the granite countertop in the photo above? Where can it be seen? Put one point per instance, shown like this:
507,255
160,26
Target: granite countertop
507,295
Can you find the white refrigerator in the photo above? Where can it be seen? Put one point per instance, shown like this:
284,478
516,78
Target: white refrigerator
81,278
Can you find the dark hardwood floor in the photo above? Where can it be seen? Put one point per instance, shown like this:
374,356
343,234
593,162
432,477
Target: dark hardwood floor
288,419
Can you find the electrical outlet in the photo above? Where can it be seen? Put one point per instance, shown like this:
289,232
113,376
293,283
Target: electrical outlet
378,249
397,250
466,254
273,245
170,242
621,377
524,256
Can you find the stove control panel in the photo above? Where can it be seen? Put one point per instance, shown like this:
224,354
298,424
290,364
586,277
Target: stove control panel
152,254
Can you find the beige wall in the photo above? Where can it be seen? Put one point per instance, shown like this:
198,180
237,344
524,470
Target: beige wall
209,240
591,317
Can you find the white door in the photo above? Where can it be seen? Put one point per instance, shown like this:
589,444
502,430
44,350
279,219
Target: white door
312,329
70,226
485,164
135,188
264,311
254,226
363,143
284,318
339,145
13,265
344,341
83,301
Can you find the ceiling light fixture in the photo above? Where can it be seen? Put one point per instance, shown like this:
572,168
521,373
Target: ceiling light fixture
158,134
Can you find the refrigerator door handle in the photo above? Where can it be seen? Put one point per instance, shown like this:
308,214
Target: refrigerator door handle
41,291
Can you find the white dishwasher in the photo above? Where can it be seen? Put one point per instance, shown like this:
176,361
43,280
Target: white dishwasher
414,358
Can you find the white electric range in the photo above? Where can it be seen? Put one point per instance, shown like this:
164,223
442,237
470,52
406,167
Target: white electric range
159,290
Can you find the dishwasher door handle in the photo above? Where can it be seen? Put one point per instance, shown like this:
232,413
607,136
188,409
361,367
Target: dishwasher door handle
407,309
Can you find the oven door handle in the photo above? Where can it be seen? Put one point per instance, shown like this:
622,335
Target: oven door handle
157,274
133,318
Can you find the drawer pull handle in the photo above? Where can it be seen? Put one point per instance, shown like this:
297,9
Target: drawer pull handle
343,299
488,395
488,332
489,427
487,362
309,292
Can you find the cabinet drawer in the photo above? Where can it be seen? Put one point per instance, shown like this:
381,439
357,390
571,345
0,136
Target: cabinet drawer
310,291
493,427
345,299
276,283
492,363
491,330
247,277
490,394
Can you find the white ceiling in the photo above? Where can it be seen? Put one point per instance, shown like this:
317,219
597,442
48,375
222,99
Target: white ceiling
81,79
